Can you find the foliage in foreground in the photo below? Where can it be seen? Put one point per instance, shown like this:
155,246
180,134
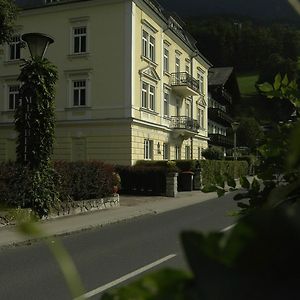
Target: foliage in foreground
259,258
8,14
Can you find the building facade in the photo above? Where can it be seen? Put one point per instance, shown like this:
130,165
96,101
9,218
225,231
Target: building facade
223,94
132,84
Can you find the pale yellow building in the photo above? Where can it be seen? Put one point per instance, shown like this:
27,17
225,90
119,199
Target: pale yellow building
132,84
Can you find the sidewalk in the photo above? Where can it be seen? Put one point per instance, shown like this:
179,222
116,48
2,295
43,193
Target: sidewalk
130,207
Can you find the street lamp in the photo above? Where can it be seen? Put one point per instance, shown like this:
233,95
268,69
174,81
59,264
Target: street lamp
235,126
37,43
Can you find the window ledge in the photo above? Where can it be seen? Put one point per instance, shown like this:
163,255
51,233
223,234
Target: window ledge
13,61
79,55
8,112
78,107
149,111
167,73
148,60
167,118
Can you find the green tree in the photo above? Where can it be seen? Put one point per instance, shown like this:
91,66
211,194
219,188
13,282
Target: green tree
249,132
8,14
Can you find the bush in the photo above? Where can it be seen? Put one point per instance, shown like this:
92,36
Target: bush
84,180
186,165
169,165
213,153
146,180
213,169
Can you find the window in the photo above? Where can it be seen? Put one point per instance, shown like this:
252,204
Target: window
148,149
200,117
79,39
15,48
201,83
187,152
177,65
166,151
148,45
79,92
188,109
166,60
177,152
199,153
13,96
148,96
187,68
166,103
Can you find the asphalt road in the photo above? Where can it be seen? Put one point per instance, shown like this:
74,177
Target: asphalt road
105,254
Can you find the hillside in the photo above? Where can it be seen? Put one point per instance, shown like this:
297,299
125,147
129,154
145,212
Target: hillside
258,9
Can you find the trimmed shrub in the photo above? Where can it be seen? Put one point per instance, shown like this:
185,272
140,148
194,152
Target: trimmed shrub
145,180
186,165
213,169
83,180
169,165
213,153
7,174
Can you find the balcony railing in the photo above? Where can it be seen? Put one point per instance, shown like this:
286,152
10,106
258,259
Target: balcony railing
185,84
219,116
186,123
220,140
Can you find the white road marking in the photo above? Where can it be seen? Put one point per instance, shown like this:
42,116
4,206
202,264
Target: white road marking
228,228
125,277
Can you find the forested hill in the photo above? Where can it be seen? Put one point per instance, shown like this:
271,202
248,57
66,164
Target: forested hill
257,9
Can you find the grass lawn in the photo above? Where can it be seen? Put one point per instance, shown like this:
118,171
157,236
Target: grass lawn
246,83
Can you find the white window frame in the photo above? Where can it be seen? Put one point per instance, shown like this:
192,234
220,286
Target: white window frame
177,152
80,36
166,151
187,152
188,108
79,88
15,96
14,47
200,117
148,45
148,149
166,102
148,96
199,152
201,82
166,59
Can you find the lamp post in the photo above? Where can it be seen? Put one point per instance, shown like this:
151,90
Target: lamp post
235,126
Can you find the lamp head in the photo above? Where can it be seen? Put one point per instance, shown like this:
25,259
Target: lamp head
37,43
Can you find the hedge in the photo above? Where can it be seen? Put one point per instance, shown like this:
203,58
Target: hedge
143,180
77,180
212,169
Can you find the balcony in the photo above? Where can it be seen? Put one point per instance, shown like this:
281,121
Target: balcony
220,140
219,116
184,84
184,127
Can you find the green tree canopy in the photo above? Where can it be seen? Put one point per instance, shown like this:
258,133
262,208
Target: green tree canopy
249,133
8,14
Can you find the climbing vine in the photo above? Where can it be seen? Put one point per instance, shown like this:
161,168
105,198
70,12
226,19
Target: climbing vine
35,122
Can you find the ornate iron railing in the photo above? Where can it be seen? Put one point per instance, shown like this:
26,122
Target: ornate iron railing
184,79
183,122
